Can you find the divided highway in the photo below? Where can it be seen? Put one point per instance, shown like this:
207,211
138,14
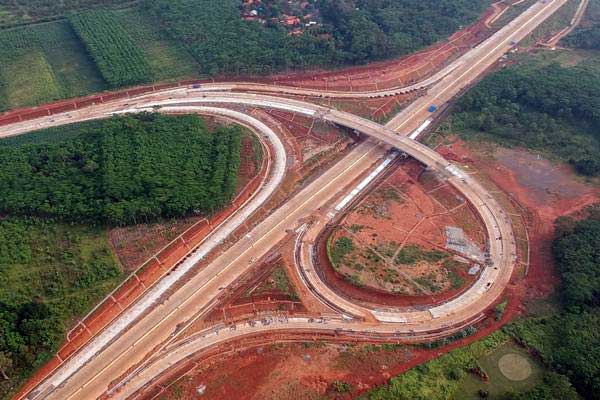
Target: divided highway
149,323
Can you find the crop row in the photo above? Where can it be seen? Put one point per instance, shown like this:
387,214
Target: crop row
118,58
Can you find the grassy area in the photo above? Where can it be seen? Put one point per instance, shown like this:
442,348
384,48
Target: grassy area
14,13
28,79
498,384
75,72
466,373
167,59
413,254
339,249
278,280
51,273
442,378
43,63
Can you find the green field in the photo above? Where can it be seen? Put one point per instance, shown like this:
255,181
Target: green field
498,384
167,59
120,44
442,378
50,274
13,13
45,62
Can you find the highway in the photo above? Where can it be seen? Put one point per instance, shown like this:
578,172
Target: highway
89,374
197,295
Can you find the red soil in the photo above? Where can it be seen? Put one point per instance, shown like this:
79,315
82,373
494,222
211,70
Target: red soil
253,374
545,190
426,206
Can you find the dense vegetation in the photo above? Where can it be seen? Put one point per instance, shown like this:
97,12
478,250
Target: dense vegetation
353,32
577,254
438,379
20,52
587,36
50,273
367,30
548,108
155,40
129,169
553,387
119,60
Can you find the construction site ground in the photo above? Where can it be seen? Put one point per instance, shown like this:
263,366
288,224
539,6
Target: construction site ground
400,241
544,190
535,190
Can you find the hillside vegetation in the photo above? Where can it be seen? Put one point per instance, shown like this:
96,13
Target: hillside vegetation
353,32
587,35
129,169
50,273
549,108
100,45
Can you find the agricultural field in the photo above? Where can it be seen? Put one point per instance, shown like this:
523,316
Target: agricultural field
119,59
43,63
13,13
167,59
131,42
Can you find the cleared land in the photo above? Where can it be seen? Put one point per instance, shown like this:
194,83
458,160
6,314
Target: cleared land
525,105
404,237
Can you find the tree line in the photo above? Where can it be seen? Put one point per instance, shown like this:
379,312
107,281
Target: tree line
550,108
353,32
128,169
569,342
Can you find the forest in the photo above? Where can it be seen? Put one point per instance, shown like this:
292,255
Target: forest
127,170
551,108
353,32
